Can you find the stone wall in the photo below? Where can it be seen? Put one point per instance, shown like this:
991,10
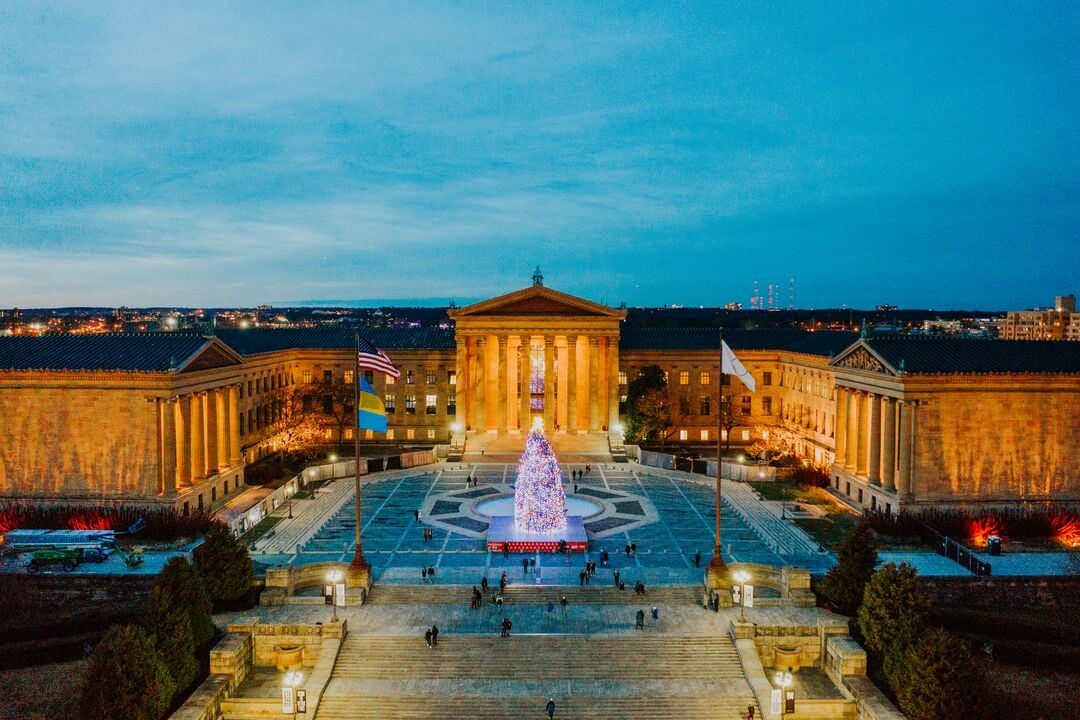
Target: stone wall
78,442
1050,593
983,444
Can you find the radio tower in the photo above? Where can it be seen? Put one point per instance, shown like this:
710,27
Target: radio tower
791,294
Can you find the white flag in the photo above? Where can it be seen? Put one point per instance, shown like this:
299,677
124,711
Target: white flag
732,366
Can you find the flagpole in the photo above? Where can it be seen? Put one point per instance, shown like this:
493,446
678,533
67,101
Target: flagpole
358,561
716,565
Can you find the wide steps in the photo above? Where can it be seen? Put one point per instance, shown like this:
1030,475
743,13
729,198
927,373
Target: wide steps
545,658
602,593
420,707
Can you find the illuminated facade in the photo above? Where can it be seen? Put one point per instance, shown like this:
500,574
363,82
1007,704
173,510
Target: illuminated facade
172,418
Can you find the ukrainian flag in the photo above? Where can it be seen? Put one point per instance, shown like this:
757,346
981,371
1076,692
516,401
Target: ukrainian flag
371,415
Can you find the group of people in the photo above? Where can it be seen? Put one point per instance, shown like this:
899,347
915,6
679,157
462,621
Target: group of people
428,534
640,618
432,636
427,573
471,481
631,550
585,575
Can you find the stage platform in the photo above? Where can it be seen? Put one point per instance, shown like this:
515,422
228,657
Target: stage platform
502,530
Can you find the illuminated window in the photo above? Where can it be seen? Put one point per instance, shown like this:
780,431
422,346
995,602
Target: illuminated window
684,377
746,435
430,377
389,380
348,434
390,434
704,435
307,376
622,378
369,434
705,377
451,377
666,376
409,379
410,404
429,404
410,434
328,434
451,403
431,434
683,434
348,377
388,402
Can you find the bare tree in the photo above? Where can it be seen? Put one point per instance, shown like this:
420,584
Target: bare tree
727,419
293,422
335,400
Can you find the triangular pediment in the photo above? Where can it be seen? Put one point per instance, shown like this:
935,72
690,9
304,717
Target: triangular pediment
213,354
861,356
537,301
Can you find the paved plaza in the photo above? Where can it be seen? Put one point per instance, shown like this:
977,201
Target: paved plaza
669,516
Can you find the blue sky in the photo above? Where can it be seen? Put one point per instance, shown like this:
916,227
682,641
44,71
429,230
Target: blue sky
919,154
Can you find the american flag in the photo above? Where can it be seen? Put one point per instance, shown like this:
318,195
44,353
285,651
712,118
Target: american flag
369,357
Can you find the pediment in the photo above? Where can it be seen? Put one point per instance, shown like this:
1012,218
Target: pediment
213,354
537,301
861,357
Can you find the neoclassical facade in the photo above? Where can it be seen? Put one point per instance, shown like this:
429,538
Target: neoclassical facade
173,418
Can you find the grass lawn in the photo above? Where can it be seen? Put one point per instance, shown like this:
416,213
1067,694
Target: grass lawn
828,531
260,529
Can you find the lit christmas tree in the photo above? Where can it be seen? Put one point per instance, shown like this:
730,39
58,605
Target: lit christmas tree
539,500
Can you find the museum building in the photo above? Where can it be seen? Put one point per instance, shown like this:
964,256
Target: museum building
173,418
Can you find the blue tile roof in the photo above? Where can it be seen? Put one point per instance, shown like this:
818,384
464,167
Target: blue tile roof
254,341
932,355
117,352
677,338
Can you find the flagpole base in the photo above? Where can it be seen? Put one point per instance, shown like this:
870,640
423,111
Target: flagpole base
359,574
717,573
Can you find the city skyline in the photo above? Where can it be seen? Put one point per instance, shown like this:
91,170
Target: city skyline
186,155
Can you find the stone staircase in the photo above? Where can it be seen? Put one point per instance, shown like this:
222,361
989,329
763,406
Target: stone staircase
654,677
524,594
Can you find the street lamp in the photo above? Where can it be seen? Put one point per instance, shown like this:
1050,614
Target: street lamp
334,576
783,681
288,692
741,577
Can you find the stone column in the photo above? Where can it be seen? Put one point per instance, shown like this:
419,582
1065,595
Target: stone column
221,404
613,383
549,384
503,380
198,447
903,479
481,382
234,425
167,435
594,372
210,425
182,424
840,426
524,376
851,438
461,388
862,451
874,463
888,474
571,381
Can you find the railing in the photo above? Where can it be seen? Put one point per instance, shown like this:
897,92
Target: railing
957,552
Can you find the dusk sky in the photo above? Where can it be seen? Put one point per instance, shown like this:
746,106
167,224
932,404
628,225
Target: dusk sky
918,154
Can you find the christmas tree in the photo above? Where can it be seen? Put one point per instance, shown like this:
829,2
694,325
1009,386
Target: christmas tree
539,500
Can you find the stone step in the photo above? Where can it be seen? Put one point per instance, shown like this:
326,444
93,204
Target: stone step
525,594
419,707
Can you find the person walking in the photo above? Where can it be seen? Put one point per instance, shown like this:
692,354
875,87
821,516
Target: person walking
581,578
431,572
749,712
506,625
627,550
587,577
697,559
427,637
551,708
435,636
423,575
655,616
502,583
640,620
484,584
616,576
564,602
499,603
417,512
525,565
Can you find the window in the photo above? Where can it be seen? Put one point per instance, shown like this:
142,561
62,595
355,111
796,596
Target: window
348,433
328,404
388,402
704,407
860,496
705,377
242,431
306,403
682,434
745,404
388,379
410,404
241,391
684,377
704,435
409,379
249,388
410,434
725,379
328,376
369,375
622,377
390,433
429,404
766,378
265,384
431,434
369,434
451,377
684,405
348,375
429,377
213,494
766,405
746,435
451,404
666,379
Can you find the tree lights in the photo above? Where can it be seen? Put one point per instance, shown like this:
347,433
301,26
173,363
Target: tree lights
539,500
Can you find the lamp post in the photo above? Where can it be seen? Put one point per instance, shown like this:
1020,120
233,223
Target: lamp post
288,692
783,681
741,577
334,576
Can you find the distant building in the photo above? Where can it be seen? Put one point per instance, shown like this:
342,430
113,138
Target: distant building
1060,323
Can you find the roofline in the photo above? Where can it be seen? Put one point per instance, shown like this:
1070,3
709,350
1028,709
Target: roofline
533,290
